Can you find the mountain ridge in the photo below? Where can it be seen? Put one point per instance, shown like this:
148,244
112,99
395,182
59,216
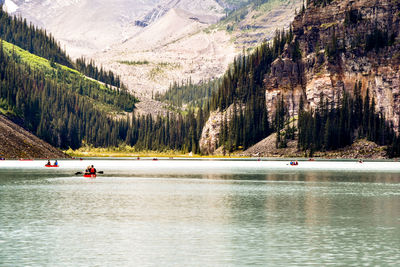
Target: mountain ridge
337,55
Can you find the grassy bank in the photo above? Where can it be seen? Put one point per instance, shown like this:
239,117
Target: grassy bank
360,149
127,151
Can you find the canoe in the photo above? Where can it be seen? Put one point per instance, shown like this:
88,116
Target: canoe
89,175
51,166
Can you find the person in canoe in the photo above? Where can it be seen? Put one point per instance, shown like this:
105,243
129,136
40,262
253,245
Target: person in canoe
91,170
56,163
48,163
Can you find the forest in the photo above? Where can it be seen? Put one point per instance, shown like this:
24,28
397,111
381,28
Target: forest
68,110
189,93
50,95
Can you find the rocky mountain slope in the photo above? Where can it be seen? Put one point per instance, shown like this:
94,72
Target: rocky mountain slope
365,35
176,39
16,142
341,43
337,44
88,26
85,26
181,45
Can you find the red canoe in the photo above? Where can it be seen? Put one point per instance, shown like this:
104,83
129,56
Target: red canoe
89,175
51,166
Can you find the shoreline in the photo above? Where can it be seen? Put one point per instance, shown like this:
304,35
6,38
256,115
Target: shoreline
361,149
163,156
195,166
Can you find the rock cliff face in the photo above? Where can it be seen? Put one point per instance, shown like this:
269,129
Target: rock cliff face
210,134
341,43
209,140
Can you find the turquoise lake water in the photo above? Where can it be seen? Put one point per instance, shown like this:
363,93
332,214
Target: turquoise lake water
200,213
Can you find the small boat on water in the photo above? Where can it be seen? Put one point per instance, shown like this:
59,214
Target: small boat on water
51,166
89,175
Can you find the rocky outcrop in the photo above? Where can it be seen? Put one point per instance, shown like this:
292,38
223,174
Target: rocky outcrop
16,142
210,134
334,47
209,140
335,42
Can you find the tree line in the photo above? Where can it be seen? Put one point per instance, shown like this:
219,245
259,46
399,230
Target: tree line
61,106
89,68
336,124
66,113
68,110
186,92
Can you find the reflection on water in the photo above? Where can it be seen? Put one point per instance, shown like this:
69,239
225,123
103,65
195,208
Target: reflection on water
221,217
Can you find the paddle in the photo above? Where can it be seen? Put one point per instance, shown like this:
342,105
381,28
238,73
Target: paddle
100,172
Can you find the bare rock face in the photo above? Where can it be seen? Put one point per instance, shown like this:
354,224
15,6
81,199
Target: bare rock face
341,44
348,23
209,140
210,134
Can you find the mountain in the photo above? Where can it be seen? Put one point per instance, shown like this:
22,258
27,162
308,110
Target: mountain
336,72
68,109
56,102
179,39
181,45
87,26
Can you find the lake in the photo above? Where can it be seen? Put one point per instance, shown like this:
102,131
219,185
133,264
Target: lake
200,213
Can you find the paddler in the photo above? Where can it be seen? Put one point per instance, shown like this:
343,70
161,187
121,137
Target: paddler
93,170
87,171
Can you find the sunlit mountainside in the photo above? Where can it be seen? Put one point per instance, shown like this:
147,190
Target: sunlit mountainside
176,40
